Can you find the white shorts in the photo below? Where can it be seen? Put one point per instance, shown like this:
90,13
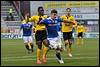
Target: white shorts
27,39
60,34
55,42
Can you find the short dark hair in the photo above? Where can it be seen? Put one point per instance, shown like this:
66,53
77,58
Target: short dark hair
68,9
54,11
40,8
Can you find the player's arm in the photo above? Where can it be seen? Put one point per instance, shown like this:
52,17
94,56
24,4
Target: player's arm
74,22
33,29
44,21
32,19
77,29
65,20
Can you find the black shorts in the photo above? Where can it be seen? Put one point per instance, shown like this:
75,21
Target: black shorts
80,34
41,35
67,35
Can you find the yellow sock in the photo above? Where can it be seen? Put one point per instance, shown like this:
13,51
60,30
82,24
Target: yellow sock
29,45
45,51
38,54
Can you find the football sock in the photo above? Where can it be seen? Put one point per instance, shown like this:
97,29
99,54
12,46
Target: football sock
70,48
29,46
45,50
38,54
58,55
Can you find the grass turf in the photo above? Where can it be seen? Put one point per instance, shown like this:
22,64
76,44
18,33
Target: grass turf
13,53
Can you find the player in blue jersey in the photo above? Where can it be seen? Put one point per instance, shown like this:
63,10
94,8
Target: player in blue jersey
52,30
27,34
60,33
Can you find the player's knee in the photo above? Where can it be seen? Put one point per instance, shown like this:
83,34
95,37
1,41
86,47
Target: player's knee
66,42
70,42
46,42
39,46
57,50
39,43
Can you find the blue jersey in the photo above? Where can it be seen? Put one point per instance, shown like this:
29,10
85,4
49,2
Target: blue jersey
59,26
27,29
52,26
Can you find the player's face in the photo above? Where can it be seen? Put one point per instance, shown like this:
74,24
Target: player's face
41,11
53,15
68,12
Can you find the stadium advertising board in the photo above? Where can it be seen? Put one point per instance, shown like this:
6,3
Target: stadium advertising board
86,16
71,4
17,36
10,36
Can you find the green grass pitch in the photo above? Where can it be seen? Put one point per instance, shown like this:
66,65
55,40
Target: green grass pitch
13,53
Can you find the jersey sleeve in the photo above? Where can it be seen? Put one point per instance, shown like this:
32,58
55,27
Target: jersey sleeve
74,21
21,26
43,21
60,19
32,18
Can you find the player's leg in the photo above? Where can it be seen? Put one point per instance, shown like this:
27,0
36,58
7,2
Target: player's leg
65,39
82,42
39,48
26,42
45,43
70,44
57,47
58,55
31,43
45,49
70,48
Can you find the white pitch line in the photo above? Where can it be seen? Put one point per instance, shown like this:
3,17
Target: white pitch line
9,57
51,58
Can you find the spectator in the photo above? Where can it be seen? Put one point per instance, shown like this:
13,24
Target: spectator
10,12
10,16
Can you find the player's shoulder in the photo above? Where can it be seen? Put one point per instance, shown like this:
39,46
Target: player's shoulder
23,21
30,23
72,16
45,16
49,18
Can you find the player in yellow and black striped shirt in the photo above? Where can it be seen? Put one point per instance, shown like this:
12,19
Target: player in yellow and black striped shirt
67,29
40,34
80,31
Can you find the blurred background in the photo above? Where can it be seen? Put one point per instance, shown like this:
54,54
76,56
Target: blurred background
13,12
